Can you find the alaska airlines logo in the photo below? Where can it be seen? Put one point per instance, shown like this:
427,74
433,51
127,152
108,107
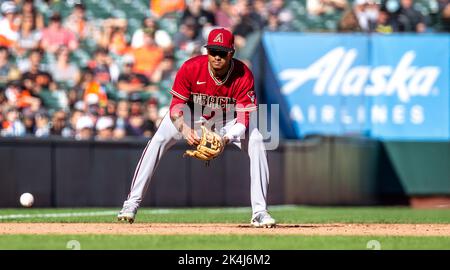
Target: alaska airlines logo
335,75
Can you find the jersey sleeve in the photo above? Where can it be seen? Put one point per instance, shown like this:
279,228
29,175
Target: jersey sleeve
181,86
176,107
246,98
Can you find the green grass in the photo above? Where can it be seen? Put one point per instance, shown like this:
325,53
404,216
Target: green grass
283,214
219,242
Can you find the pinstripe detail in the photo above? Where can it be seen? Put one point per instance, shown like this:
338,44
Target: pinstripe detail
137,169
173,92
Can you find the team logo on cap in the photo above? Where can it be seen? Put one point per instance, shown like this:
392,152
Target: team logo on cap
219,38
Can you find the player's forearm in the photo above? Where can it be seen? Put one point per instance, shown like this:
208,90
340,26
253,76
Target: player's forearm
176,112
177,121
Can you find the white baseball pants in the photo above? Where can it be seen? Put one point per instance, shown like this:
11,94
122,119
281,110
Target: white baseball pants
166,136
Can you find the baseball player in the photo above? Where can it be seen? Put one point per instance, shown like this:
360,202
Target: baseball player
223,87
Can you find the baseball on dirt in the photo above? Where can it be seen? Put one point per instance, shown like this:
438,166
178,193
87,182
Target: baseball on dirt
26,200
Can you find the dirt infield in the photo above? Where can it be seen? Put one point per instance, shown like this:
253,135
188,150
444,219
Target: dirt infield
235,229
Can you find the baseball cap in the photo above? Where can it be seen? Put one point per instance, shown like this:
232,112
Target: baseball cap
92,99
84,122
220,39
104,122
8,7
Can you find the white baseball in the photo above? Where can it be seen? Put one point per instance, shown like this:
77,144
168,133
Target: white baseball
26,200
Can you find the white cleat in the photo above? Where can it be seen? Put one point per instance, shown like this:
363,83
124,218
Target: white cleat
127,214
263,220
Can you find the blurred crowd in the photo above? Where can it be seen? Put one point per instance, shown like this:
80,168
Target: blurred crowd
123,88
388,16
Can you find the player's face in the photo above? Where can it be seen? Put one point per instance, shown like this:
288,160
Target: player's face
218,59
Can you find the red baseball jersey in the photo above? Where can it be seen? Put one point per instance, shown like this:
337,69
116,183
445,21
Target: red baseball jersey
195,83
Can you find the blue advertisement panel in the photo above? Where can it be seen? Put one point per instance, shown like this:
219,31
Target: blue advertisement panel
316,80
410,87
391,87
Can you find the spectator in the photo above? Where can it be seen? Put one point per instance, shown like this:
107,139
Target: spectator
260,7
135,125
104,127
58,124
201,17
29,10
349,22
384,23
445,18
66,74
110,109
162,38
160,8
77,23
273,23
122,113
55,35
84,128
151,118
409,19
367,13
34,59
103,67
284,14
8,24
29,37
42,125
12,126
224,14
118,44
320,7
248,23
53,98
29,122
109,26
185,40
129,81
12,93
94,92
166,70
147,57
8,72
76,93
70,129
35,78
21,98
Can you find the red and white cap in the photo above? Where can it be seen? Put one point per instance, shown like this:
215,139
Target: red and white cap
220,39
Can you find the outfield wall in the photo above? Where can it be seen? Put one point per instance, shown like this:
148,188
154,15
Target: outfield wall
314,171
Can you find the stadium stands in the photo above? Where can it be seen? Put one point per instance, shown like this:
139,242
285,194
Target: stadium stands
111,25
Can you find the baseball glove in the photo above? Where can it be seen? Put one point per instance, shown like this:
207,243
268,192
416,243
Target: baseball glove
211,146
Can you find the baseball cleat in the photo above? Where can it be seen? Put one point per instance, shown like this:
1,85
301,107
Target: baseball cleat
263,220
127,214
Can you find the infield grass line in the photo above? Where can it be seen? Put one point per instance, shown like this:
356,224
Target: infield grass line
144,211
283,214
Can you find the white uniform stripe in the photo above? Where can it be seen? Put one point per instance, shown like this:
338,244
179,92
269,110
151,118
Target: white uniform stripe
179,95
249,109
